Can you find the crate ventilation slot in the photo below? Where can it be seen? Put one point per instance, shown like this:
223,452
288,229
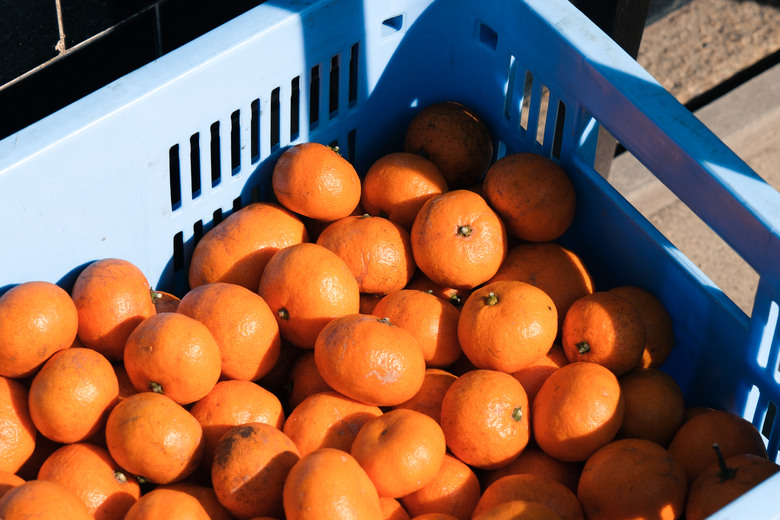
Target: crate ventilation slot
329,89
487,36
530,104
392,25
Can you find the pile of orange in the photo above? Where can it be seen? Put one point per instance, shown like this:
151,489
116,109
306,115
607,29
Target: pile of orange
410,342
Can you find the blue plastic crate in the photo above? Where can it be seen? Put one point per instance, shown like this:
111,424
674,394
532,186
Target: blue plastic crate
142,168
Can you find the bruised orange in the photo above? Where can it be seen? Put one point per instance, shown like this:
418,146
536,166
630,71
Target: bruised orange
251,464
233,402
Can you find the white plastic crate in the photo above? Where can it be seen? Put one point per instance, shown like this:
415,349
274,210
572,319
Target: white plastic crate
142,168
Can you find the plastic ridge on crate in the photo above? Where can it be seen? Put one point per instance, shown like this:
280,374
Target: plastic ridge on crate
143,167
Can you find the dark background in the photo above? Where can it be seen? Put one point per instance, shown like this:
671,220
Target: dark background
52,52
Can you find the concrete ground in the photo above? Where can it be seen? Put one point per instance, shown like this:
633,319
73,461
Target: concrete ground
690,51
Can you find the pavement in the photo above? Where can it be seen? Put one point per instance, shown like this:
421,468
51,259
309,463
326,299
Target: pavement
691,51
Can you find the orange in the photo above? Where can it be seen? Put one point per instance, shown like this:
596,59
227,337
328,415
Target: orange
461,366
518,510
17,430
724,481
251,463
203,494
578,409
454,138
167,503
458,240
231,403
90,472
8,481
314,227
532,376
604,328
150,435
692,443
43,500
329,483
315,181
533,194
327,420
659,332
655,406
431,320
238,249
400,450
531,487
534,460
507,325
449,294
392,509
126,387
277,379
551,267
37,319
455,490
72,394
112,297
485,418
241,323
305,380
306,286
173,354
368,302
632,478
435,516
693,411
43,448
428,399
165,301
370,359
377,251
398,184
